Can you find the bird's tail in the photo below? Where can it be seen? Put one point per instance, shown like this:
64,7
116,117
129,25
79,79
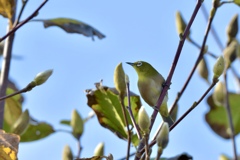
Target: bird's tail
168,119
165,115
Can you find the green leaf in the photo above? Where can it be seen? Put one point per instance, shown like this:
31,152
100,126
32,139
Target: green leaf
7,8
73,26
21,124
12,110
105,102
65,122
37,131
217,116
237,2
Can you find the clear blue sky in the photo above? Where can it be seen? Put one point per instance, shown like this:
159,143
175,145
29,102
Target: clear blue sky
135,30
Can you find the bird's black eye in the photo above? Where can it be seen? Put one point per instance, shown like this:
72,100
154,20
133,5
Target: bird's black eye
139,64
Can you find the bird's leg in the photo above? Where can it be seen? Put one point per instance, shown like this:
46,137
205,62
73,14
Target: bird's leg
155,108
165,84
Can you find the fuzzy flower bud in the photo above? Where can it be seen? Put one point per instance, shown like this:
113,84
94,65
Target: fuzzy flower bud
219,94
99,150
143,120
203,69
180,24
218,67
163,136
119,79
67,153
232,28
223,157
76,123
42,77
230,53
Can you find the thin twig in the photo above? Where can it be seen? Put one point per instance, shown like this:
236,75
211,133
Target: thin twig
127,124
62,130
213,31
225,2
174,64
23,22
79,148
159,153
140,149
200,56
10,95
24,2
195,104
235,75
147,154
229,115
199,47
131,114
29,87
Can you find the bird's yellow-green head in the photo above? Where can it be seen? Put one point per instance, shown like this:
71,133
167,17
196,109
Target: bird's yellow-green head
143,68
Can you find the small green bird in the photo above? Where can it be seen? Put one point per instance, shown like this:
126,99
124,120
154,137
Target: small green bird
150,87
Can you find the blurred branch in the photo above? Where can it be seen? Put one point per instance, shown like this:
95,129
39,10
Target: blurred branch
229,115
194,105
7,53
213,31
147,154
197,61
24,2
23,22
235,75
127,124
199,47
79,148
131,114
225,2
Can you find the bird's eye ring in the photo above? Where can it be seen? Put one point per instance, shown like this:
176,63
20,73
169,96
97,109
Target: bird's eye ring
139,64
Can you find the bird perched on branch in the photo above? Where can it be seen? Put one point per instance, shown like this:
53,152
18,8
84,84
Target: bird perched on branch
150,85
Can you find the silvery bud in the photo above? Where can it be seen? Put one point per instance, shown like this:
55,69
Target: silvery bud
163,136
42,77
67,153
76,123
218,67
99,150
219,93
119,79
143,120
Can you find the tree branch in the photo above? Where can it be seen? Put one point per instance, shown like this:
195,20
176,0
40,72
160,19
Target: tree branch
229,115
23,22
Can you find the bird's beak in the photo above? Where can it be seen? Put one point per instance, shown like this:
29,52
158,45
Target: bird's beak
130,63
